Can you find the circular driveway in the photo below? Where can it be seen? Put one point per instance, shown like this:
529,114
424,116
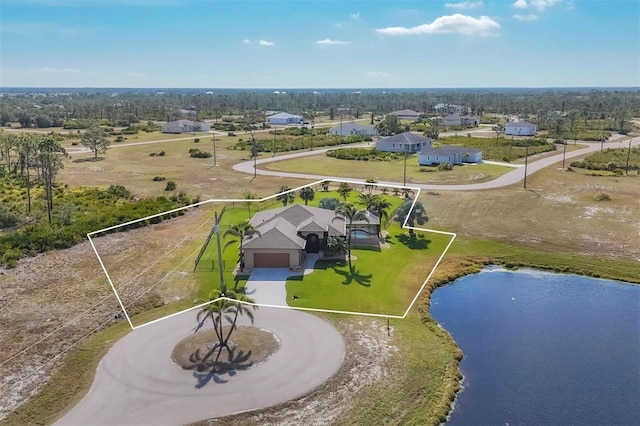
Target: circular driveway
138,383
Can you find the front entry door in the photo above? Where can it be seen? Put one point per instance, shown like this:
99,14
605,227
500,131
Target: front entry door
313,244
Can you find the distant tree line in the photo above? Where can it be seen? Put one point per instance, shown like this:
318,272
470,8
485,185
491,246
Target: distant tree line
51,109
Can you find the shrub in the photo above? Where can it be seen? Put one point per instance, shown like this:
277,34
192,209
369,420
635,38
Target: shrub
231,134
7,218
329,203
445,166
196,153
602,196
161,154
171,186
119,139
153,154
159,178
119,191
197,140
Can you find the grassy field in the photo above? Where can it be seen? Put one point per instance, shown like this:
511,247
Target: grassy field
381,282
389,170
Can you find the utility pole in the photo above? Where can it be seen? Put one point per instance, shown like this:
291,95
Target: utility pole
628,157
254,151
404,176
602,142
526,158
217,219
214,150
564,152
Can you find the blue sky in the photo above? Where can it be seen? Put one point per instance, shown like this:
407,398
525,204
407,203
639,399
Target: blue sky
319,44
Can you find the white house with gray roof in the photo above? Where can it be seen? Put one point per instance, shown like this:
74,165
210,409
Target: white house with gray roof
351,128
288,233
404,142
449,154
460,120
520,128
406,114
284,118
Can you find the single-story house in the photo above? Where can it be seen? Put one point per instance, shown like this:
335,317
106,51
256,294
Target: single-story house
406,114
185,126
460,120
452,109
351,128
404,142
288,233
449,154
187,112
284,118
520,128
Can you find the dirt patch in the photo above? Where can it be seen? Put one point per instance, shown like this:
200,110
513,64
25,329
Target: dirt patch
369,350
248,346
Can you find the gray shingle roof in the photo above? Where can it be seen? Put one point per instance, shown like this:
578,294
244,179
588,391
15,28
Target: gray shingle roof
405,112
523,124
407,138
449,149
277,233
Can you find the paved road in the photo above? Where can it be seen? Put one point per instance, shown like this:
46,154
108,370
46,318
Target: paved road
137,383
509,178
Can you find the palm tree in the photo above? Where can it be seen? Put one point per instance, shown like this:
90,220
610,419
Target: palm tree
242,231
380,207
349,213
344,189
285,195
367,200
307,193
414,215
249,195
325,185
221,310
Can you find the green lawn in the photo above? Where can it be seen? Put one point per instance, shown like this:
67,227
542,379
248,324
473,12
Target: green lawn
381,282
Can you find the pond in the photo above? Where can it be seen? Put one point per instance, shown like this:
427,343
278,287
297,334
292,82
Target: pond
543,348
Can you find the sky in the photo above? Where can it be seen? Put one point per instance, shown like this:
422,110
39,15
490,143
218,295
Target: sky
319,43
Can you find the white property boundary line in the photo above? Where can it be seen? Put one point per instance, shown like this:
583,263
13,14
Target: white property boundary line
316,183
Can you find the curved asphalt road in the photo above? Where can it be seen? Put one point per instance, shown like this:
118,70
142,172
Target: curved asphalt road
137,383
506,179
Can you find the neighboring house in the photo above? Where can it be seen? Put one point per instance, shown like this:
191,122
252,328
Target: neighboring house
460,120
406,114
404,142
284,118
443,108
288,233
520,128
185,126
449,154
351,128
187,112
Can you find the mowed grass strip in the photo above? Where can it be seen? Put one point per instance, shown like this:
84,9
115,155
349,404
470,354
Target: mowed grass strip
389,170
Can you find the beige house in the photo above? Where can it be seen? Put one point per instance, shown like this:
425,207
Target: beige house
288,233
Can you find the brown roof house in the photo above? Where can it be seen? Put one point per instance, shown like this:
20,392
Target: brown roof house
288,233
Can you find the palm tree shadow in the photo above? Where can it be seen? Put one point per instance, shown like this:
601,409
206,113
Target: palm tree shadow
207,369
354,275
414,241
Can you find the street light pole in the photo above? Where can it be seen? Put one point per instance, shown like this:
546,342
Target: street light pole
564,153
214,149
254,151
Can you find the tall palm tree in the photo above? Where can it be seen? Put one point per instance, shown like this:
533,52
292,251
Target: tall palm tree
349,213
367,200
307,193
344,189
225,310
380,208
285,195
242,231
414,215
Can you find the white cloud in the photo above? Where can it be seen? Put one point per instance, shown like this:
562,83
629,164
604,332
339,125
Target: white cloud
246,41
539,5
355,16
530,17
377,74
338,25
266,43
465,5
456,23
328,41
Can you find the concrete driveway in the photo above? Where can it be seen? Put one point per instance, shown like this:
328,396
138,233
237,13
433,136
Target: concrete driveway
267,286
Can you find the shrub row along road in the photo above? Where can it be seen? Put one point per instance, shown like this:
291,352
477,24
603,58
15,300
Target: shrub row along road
138,383
514,176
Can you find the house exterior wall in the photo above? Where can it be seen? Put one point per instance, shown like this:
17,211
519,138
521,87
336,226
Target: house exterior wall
176,127
431,160
295,257
381,145
475,157
296,119
520,131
